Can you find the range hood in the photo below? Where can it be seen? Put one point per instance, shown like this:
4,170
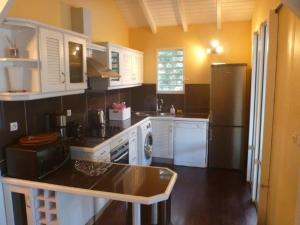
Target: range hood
97,69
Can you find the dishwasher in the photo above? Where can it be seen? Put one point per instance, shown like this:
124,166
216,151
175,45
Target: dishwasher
190,143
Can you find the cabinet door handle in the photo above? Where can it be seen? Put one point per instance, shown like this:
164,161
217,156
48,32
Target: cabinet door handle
63,75
210,135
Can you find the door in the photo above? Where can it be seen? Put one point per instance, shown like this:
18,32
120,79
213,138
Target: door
126,67
253,109
260,111
162,131
75,62
225,147
190,144
228,95
19,205
114,62
140,70
52,61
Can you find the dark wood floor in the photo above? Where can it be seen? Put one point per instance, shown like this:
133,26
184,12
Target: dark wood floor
201,197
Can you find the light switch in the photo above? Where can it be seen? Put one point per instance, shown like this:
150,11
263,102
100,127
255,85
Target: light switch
69,112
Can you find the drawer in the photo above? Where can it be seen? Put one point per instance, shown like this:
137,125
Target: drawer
119,141
133,133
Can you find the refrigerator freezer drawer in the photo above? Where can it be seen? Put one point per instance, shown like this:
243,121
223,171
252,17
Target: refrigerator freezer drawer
227,148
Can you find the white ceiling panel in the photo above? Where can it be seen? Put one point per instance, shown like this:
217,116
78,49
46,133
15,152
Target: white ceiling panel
166,13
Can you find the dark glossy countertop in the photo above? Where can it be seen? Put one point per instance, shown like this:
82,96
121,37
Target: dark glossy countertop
96,136
118,182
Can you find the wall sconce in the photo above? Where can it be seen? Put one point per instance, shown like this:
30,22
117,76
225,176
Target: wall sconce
215,48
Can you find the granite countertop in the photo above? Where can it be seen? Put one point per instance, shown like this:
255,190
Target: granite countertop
93,136
121,182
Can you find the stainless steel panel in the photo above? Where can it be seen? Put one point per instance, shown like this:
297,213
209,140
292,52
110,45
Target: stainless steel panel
227,148
228,95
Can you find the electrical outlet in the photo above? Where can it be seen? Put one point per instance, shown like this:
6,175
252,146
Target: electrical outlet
13,126
69,112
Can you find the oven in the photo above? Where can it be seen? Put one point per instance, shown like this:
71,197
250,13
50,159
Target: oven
120,154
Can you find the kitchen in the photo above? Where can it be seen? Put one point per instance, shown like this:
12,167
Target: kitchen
129,84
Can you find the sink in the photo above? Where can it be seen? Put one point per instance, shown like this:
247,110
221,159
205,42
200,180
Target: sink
142,114
164,114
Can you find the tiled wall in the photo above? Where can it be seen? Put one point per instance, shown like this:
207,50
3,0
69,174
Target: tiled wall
195,99
30,115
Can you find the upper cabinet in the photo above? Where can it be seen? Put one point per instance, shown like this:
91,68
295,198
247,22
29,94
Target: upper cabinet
127,62
40,61
75,61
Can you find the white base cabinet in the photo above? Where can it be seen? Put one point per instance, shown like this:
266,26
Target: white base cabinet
2,207
190,143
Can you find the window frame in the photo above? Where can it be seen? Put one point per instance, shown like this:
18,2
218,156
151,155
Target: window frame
183,73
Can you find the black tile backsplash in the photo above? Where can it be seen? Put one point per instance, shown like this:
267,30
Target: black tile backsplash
30,115
194,100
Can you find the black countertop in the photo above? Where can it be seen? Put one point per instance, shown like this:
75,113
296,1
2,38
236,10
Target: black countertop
95,136
114,178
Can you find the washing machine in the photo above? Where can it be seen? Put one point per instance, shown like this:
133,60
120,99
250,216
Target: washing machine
145,142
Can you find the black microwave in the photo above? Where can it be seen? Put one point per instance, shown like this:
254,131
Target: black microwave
35,162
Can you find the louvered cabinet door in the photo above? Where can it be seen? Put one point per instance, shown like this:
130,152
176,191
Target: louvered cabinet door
52,61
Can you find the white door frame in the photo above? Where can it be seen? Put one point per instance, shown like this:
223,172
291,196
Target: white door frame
252,120
268,116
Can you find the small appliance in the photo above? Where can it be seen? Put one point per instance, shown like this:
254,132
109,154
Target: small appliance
36,161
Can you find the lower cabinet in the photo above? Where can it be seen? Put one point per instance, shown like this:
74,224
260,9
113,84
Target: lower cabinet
19,205
162,131
190,143
2,207
28,206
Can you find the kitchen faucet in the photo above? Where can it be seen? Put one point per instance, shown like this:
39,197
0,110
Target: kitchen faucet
159,104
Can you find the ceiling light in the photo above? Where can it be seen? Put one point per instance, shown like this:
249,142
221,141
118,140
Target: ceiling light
214,43
219,49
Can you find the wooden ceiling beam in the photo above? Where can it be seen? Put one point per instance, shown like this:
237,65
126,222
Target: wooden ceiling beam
182,16
219,14
148,15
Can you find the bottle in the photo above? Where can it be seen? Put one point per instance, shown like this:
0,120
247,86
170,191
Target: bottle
172,110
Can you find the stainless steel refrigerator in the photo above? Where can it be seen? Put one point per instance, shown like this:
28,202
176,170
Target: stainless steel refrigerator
228,115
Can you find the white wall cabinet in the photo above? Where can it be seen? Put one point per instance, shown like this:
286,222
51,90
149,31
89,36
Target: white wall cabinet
190,143
127,62
51,62
53,76
63,60
75,62
162,131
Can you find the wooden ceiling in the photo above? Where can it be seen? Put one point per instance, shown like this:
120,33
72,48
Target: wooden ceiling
155,13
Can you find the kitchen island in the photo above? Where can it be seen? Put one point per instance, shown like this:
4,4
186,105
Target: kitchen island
134,184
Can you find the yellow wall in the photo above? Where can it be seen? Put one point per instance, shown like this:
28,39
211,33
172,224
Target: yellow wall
235,37
285,156
261,12
107,22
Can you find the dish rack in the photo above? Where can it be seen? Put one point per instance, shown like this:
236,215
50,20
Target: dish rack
46,210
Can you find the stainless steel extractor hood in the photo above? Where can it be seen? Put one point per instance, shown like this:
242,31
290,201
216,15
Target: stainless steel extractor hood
96,69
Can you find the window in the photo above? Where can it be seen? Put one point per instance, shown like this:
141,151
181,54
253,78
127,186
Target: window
170,79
